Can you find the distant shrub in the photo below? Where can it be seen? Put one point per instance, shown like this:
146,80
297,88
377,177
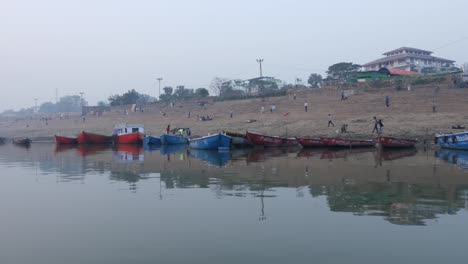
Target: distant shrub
427,80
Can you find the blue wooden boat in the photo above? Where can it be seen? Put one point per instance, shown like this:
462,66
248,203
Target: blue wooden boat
216,141
213,157
167,139
150,140
457,157
453,141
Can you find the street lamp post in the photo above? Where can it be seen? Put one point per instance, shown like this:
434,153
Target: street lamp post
159,81
260,62
81,102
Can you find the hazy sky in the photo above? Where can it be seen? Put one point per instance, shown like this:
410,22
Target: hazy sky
108,47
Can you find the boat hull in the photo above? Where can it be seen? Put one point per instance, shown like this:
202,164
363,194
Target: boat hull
150,140
453,141
310,142
391,142
167,139
59,140
85,138
347,143
270,141
22,141
131,138
216,141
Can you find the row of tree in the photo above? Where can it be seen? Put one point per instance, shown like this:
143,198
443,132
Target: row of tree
66,104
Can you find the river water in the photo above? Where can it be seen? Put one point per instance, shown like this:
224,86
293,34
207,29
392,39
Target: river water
172,205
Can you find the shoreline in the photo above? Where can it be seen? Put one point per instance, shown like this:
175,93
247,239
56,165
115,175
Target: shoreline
410,116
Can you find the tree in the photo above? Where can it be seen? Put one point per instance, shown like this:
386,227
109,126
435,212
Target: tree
217,84
342,71
315,80
202,92
48,107
182,93
71,103
168,90
130,97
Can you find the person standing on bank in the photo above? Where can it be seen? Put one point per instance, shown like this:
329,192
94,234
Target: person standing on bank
380,127
376,124
330,120
387,101
305,106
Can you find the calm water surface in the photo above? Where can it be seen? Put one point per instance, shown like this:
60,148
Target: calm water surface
173,205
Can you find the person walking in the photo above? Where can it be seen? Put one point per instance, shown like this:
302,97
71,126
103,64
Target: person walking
387,101
231,113
376,123
189,113
294,96
168,129
330,120
305,106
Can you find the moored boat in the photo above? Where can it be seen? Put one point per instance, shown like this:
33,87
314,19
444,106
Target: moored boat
347,143
392,142
86,138
168,139
308,142
153,141
270,141
61,140
453,141
22,141
128,134
217,141
238,139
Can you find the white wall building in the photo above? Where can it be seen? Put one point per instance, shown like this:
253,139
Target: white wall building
410,59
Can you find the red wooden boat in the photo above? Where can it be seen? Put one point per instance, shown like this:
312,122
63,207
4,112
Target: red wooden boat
59,140
128,134
347,143
270,141
310,142
86,138
391,142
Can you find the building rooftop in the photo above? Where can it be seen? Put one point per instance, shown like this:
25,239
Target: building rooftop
406,48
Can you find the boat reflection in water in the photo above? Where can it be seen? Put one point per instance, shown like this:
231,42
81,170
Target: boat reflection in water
88,150
63,148
394,154
344,153
173,149
128,152
457,157
212,157
262,154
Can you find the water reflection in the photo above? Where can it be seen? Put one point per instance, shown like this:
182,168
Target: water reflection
457,157
406,188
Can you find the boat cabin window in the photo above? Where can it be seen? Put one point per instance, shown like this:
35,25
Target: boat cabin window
134,129
125,130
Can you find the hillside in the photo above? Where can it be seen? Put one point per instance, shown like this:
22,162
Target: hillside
409,115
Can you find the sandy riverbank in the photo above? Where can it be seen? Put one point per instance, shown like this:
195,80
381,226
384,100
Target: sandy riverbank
409,115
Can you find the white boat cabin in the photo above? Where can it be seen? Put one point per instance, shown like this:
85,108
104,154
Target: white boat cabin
123,129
